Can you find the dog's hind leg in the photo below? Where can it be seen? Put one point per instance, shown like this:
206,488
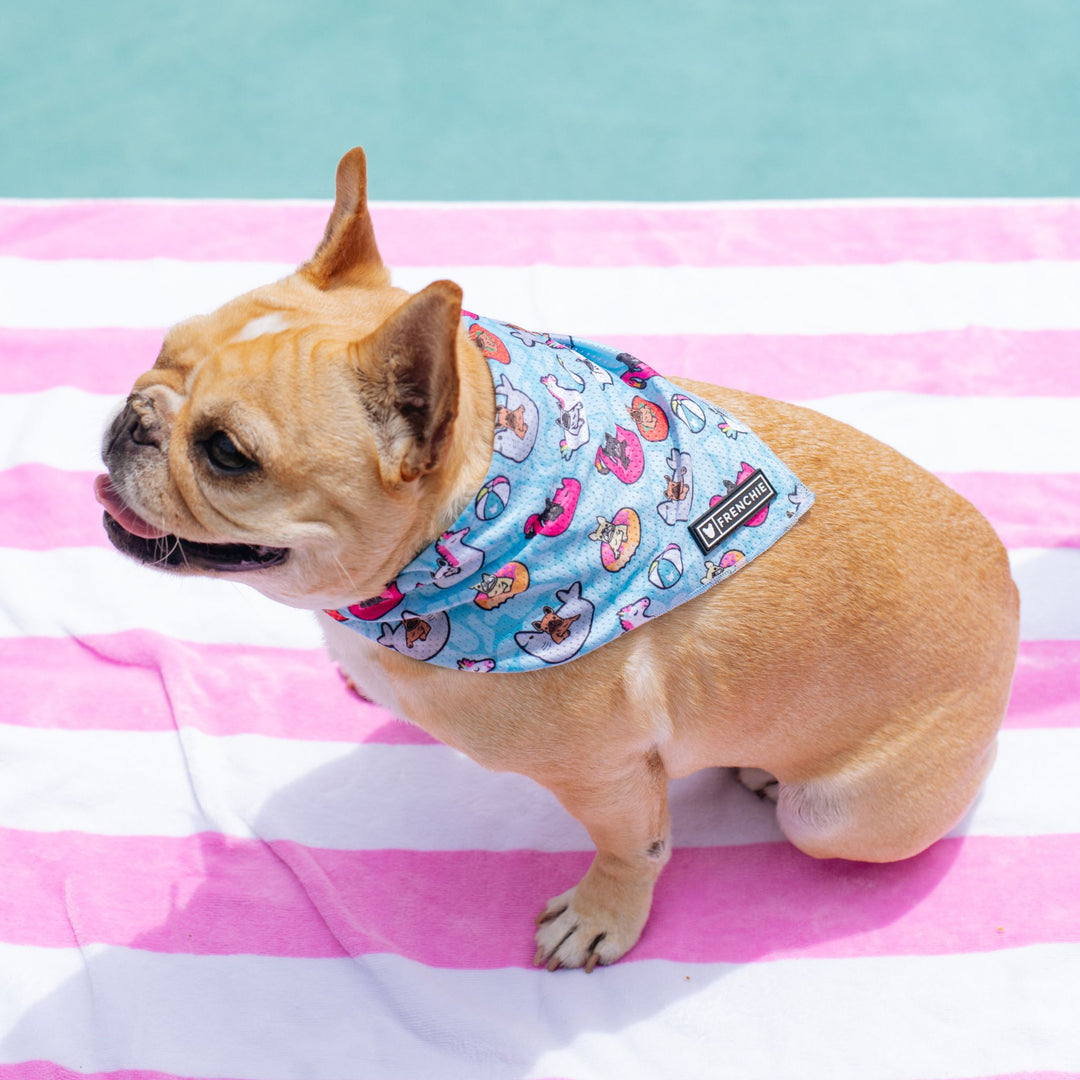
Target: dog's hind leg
883,806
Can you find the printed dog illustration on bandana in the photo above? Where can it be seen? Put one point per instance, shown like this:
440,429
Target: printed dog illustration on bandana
491,346
651,420
495,589
422,637
516,421
679,490
558,510
621,454
572,420
619,538
559,634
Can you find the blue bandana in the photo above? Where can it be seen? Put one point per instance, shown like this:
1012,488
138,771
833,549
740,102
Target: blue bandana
612,497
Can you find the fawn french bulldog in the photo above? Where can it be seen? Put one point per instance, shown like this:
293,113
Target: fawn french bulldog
496,552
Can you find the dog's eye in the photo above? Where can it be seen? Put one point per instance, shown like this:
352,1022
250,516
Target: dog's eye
224,456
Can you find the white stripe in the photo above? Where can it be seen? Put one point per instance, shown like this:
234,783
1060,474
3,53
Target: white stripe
870,299
322,794
74,591
70,293
102,1009
967,434
900,297
1014,802
416,798
1049,584
64,591
62,427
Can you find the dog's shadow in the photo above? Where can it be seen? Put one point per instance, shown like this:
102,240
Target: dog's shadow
398,927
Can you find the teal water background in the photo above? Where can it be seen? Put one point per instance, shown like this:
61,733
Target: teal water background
568,99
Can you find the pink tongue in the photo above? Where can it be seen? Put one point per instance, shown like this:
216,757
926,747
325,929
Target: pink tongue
123,515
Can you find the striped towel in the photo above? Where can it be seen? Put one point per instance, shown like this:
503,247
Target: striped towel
217,863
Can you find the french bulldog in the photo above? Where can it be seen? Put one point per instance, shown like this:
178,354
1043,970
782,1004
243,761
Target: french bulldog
310,437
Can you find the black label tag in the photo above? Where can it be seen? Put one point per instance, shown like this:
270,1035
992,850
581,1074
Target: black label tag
736,509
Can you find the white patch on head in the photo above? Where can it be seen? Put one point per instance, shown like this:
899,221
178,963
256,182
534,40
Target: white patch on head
273,323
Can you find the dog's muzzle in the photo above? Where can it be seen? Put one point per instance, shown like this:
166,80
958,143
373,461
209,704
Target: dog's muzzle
138,429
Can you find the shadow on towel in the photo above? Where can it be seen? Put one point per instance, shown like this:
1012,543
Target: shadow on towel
398,918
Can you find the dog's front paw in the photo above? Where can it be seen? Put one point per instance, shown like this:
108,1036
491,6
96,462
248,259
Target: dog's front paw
581,929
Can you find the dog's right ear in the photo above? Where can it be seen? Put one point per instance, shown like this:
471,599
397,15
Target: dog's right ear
348,254
407,374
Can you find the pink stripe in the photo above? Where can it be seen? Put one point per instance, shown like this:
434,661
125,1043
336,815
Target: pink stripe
975,361
42,508
1027,511
164,683
1046,686
48,1070
234,689
45,508
519,235
210,895
978,361
1021,1076
100,361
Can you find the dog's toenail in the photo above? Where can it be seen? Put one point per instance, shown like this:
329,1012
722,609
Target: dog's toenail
547,916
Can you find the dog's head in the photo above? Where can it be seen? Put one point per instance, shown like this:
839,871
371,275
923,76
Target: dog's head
309,436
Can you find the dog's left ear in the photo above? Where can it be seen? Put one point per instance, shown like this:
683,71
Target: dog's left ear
409,380
348,254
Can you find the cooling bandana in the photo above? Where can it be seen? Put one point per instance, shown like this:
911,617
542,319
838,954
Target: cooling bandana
612,497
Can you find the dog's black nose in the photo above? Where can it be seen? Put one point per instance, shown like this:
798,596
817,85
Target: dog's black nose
138,422
143,435
144,426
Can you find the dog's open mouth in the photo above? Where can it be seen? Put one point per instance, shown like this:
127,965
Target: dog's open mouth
133,536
